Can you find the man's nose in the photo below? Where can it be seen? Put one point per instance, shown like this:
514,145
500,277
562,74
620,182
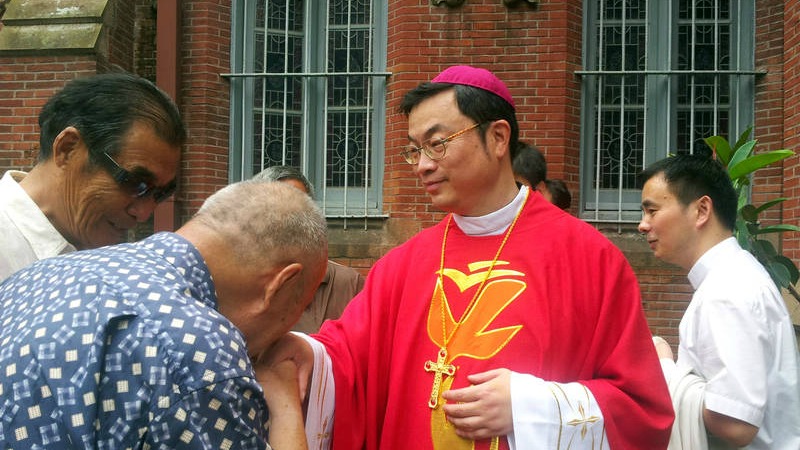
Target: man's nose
142,208
644,226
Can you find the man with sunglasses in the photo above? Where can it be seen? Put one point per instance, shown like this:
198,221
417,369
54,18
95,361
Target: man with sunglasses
510,324
109,150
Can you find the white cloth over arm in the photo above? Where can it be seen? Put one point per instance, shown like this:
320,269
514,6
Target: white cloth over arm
687,390
321,397
550,415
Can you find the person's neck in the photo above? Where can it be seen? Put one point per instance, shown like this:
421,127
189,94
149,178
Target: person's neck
43,185
706,242
495,222
39,185
492,199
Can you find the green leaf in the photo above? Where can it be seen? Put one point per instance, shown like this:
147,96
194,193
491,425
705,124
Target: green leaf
770,204
741,154
743,238
721,148
744,166
753,228
780,228
749,213
794,274
765,249
743,137
741,202
779,273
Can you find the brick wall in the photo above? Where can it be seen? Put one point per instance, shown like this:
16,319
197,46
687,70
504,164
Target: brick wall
204,98
26,82
791,122
28,79
536,50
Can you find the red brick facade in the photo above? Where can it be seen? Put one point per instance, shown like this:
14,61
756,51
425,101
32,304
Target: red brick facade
535,49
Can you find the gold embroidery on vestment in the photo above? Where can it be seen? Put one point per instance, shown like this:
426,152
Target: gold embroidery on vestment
580,424
468,336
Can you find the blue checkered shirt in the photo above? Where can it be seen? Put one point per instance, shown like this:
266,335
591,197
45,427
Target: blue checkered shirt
122,347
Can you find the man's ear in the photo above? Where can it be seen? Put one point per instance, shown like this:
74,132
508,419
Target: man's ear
705,210
280,280
498,136
65,145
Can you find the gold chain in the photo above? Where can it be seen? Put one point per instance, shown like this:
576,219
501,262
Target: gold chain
445,338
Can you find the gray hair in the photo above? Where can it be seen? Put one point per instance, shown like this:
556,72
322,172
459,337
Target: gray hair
266,222
282,173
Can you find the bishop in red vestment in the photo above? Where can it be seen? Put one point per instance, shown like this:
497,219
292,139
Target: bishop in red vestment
510,324
562,304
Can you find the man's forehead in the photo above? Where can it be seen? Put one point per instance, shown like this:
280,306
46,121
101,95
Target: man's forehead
656,191
434,114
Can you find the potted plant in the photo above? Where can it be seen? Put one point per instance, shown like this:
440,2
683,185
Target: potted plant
740,162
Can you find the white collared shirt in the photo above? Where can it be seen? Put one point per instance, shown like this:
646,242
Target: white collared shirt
738,336
26,235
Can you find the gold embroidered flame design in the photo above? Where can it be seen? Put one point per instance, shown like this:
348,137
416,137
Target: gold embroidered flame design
470,336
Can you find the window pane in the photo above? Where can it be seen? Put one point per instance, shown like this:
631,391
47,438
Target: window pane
659,80
312,100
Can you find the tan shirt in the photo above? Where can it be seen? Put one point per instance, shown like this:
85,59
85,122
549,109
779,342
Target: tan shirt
339,285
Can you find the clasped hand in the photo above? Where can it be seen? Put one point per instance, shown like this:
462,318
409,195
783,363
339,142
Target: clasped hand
482,410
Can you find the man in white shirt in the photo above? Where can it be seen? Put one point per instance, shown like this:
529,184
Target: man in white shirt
109,151
737,356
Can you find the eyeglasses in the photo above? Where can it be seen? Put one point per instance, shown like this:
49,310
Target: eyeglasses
134,184
434,149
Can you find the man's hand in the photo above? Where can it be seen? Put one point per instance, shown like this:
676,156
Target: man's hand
279,382
483,410
286,428
289,348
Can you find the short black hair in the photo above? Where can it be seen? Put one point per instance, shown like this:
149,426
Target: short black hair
559,192
280,173
477,104
529,163
103,108
690,177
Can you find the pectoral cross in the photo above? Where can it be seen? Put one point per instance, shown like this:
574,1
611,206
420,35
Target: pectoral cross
440,368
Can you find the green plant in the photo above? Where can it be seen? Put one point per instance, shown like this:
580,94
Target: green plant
740,162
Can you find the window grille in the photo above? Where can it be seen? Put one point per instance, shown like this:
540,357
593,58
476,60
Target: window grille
308,89
660,76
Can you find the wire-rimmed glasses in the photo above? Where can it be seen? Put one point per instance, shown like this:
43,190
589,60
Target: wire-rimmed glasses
434,148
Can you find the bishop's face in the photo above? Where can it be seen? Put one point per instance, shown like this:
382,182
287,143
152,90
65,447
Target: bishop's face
459,181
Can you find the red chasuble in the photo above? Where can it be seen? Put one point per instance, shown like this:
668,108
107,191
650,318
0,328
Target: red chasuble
562,303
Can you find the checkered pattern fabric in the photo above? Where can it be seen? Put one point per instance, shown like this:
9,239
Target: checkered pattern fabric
122,347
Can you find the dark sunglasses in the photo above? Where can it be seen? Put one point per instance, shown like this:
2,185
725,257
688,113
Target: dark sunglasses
134,184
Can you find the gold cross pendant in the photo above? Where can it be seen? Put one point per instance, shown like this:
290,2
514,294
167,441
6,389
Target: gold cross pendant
440,368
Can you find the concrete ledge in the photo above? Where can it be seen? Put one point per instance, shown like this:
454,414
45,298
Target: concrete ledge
50,37
54,10
34,26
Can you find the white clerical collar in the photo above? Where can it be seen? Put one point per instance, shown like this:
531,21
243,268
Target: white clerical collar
495,222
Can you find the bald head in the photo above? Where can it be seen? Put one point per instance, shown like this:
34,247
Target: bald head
265,244
266,221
